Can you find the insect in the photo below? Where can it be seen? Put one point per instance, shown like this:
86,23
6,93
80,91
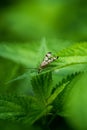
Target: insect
49,58
46,61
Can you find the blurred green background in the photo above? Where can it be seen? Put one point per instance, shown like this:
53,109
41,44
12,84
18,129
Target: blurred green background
26,26
25,20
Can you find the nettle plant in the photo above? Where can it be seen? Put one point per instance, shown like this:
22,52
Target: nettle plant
54,90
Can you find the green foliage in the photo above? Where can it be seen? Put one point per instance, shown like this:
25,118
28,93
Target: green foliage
75,104
54,91
42,86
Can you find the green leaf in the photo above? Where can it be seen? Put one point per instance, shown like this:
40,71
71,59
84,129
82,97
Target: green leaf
42,86
26,109
78,49
43,49
9,109
75,105
56,92
19,53
60,99
72,101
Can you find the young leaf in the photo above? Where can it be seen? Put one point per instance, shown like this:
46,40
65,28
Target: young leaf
42,86
60,100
